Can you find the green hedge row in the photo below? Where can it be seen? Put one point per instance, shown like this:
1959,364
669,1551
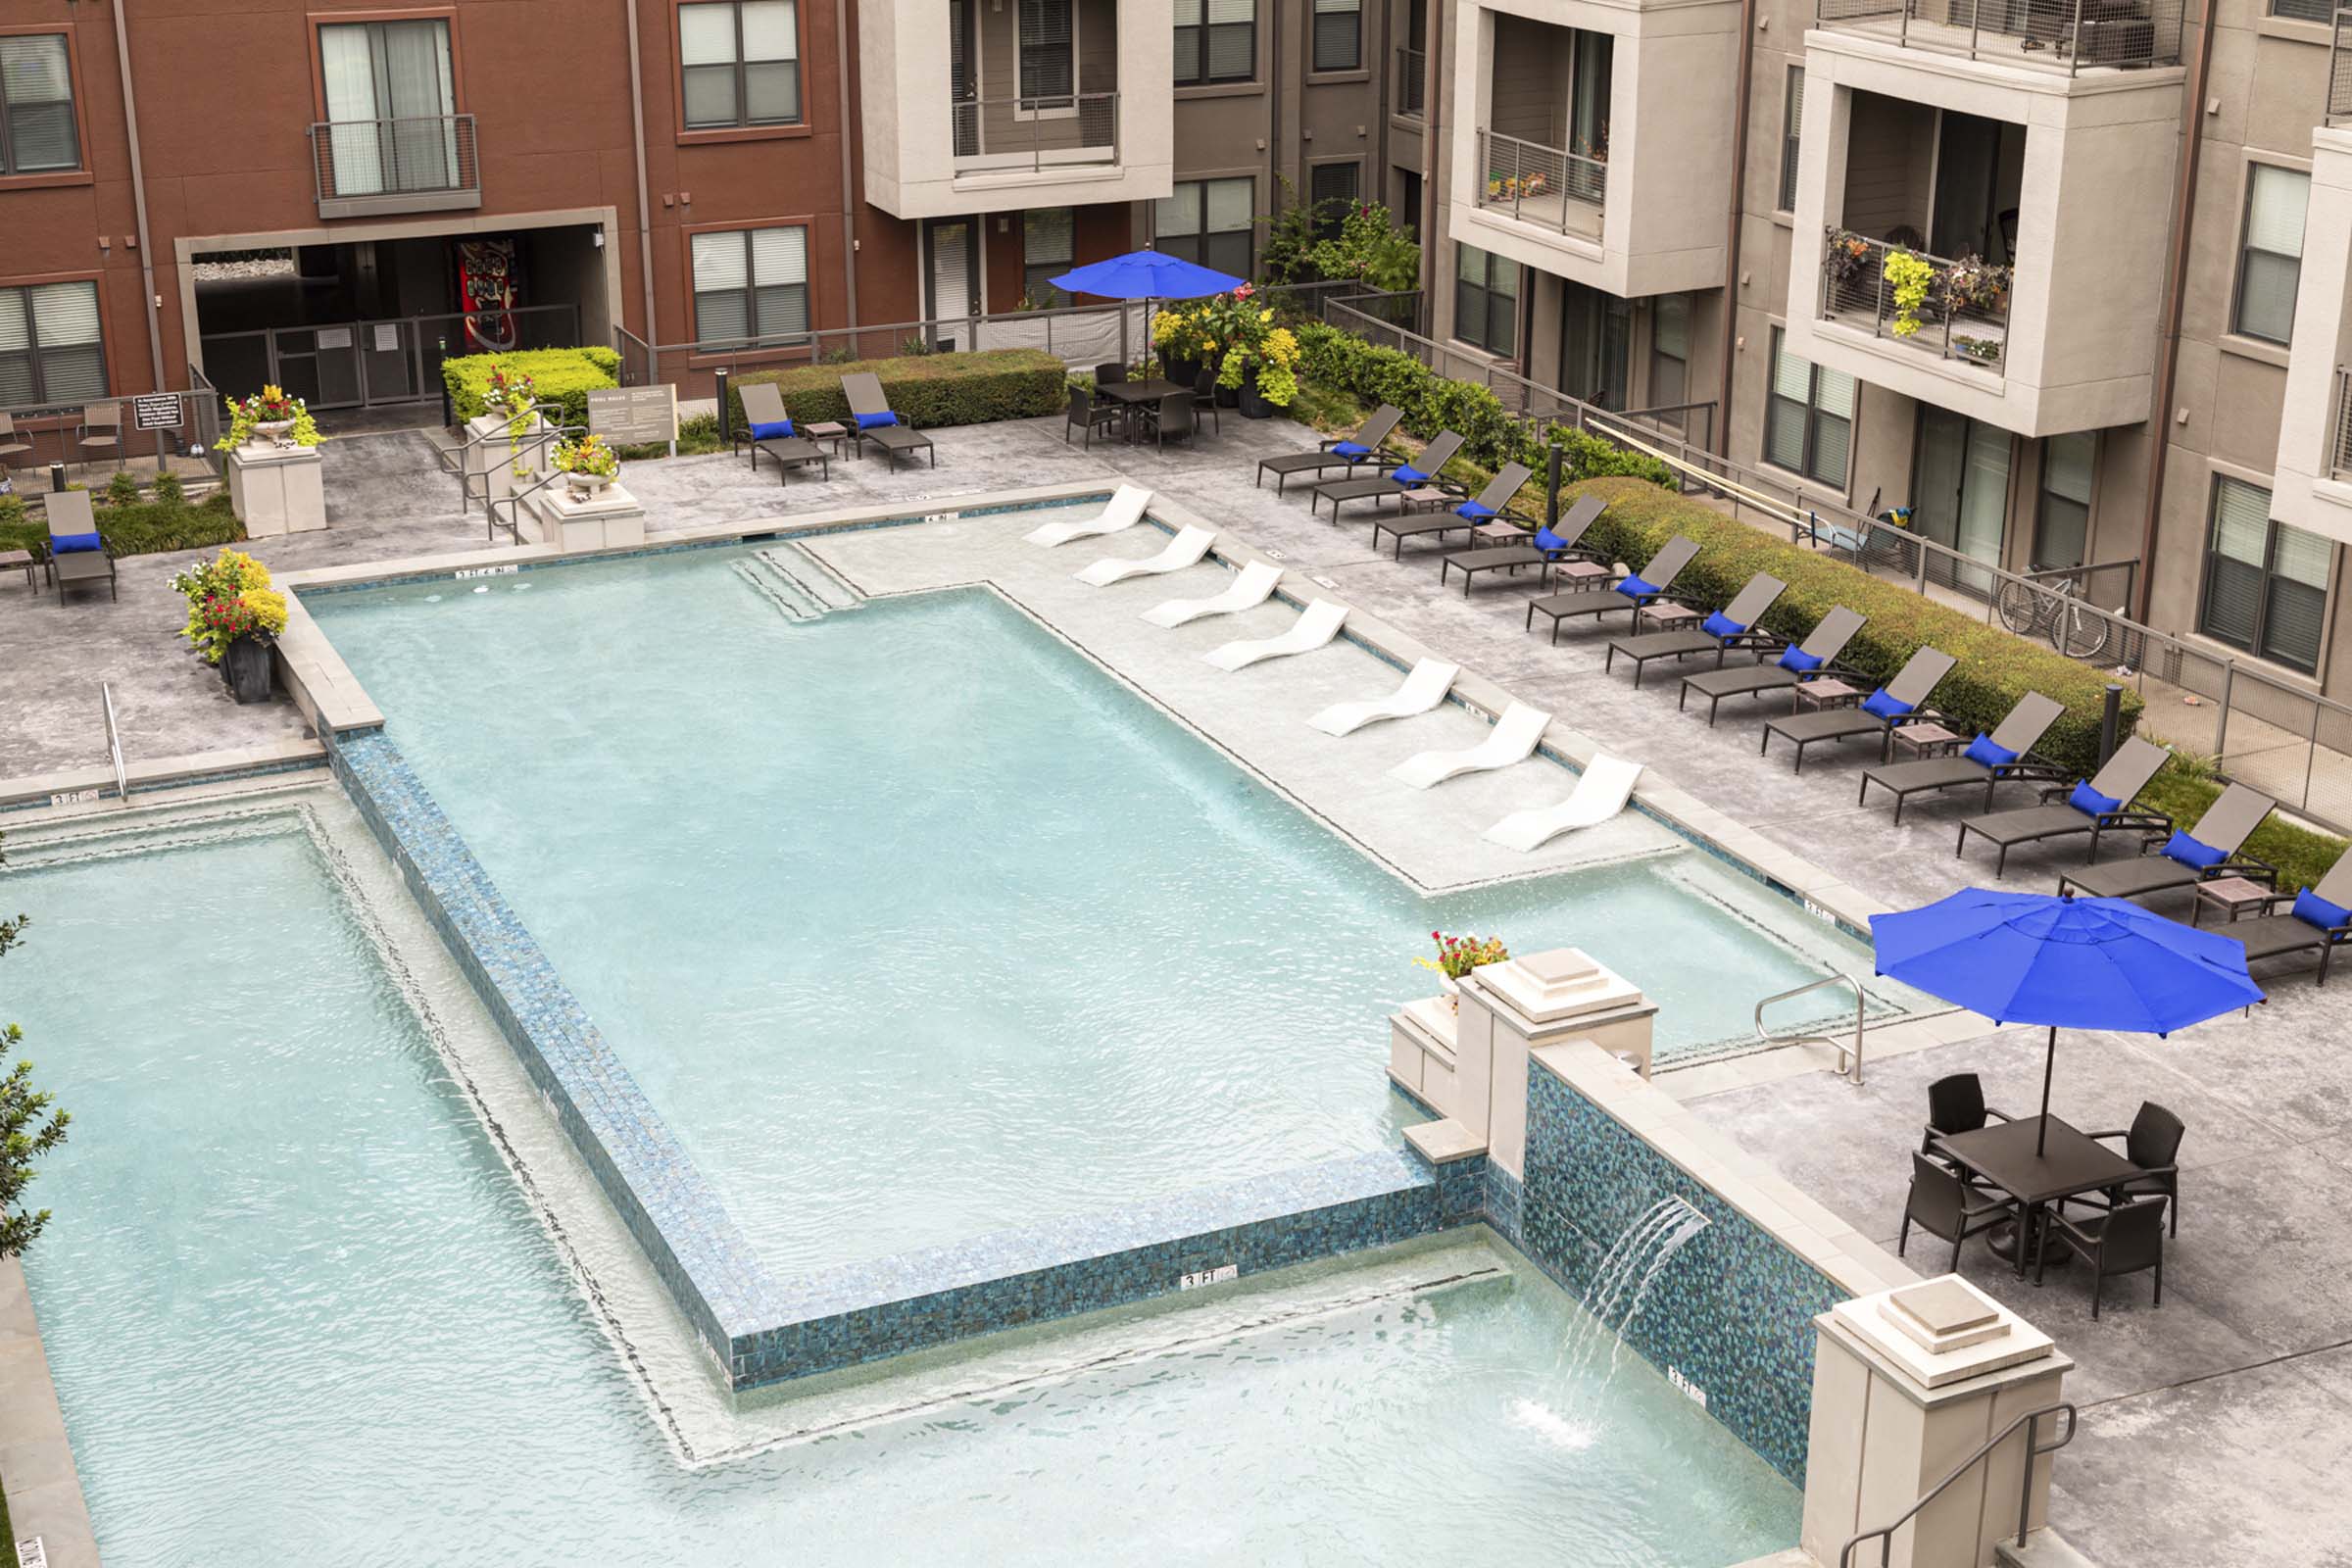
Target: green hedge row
564,377
1994,669
145,529
1491,434
925,390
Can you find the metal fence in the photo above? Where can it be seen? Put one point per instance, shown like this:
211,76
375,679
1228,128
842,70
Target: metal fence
1038,132
419,162
2069,36
2339,66
349,365
1963,315
101,431
1549,187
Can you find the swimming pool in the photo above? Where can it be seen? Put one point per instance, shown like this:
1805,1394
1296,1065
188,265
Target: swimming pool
914,924
298,1310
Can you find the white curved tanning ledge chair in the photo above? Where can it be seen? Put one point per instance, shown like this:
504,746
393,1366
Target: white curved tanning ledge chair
1512,740
1422,689
1184,550
1251,588
1125,511
1601,793
1317,624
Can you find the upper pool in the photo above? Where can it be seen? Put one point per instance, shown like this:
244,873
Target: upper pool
914,923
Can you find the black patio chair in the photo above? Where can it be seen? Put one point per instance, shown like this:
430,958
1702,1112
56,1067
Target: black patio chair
1105,375
2152,1143
1087,415
1173,417
2123,1241
1205,401
1956,1105
1947,1207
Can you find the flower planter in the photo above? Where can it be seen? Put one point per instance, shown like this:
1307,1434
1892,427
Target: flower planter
271,431
1184,373
1229,397
246,668
587,484
1254,403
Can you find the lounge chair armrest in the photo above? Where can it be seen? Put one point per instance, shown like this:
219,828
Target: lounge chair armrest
2146,1171
2120,1132
2001,1204
2153,821
1917,716
2247,865
2057,1217
2001,1114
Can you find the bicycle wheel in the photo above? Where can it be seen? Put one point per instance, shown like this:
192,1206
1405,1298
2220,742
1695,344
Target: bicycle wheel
2019,606
2080,633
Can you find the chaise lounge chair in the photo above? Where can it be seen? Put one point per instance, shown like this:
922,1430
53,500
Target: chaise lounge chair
1318,623
1717,634
870,414
1376,487
1339,451
1628,592
1184,550
1424,688
76,555
1250,587
1898,702
1811,660
2317,919
1513,739
2101,805
1547,548
2006,753
767,428
1484,509
1601,793
1125,511
2189,856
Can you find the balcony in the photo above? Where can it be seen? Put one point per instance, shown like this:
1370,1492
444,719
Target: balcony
370,167
2311,486
1032,135
2066,36
1962,307
1413,76
1549,187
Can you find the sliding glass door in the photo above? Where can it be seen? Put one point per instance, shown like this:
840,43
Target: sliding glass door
391,102
1961,499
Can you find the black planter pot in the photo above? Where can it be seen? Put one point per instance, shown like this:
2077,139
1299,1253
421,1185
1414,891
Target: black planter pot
1228,397
246,669
1184,373
1254,403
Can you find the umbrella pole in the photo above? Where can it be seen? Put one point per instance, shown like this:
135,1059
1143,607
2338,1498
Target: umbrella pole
2049,1065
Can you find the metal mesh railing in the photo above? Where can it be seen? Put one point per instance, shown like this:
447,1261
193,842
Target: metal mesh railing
1551,187
381,161
2339,66
1963,313
1412,71
1039,133
2068,35
2339,443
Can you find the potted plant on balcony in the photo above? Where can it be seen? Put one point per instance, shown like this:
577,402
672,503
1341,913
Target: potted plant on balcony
1457,956
587,465
234,617
1845,257
270,416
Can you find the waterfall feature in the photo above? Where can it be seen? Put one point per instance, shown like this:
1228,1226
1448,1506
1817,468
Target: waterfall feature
1619,1285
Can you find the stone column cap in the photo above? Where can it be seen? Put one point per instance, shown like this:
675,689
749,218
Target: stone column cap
1933,1338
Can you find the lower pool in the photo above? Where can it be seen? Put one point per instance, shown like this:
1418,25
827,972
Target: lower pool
298,1310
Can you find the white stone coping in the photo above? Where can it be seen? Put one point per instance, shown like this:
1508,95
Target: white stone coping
1904,1374
156,772
44,1489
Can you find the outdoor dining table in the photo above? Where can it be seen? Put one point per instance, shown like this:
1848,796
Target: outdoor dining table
2003,1155
1131,396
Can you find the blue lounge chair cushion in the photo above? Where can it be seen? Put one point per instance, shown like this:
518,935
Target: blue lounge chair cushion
1722,625
1983,751
2189,853
67,544
1885,706
1632,587
2090,802
1351,449
874,422
1474,511
1797,662
1406,474
2312,909
1545,539
772,430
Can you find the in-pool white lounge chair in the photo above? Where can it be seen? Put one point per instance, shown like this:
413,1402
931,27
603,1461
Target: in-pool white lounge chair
1512,740
1252,587
1125,511
1422,689
1184,550
1601,793
1317,624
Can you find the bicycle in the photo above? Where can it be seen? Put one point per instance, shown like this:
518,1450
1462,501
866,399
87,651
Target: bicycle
2076,629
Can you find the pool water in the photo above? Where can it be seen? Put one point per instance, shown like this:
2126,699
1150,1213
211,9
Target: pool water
913,924
298,1311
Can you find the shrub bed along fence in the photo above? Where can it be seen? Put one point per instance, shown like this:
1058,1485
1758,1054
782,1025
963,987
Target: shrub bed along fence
925,390
135,529
561,377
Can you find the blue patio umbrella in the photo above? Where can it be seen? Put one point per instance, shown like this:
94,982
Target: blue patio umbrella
1146,276
2066,963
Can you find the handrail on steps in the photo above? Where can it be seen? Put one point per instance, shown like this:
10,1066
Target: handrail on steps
514,501
114,743
2035,1448
1850,1061
457,459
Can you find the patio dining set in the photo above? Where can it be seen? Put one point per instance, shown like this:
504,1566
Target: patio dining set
1141,409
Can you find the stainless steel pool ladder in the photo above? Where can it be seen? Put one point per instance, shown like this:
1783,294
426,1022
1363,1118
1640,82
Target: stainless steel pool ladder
1849,1059
114,743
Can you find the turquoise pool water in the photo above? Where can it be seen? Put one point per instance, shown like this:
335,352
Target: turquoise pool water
913,924
298,1312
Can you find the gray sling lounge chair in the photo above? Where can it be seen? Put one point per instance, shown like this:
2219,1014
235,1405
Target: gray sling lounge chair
763,405
2317,919
2190,857
868,402
1410,475
1716,635
1547,548
1780,666
2098,805
1901,700
1483,508
1339,451
1629,593
70,519
2015,738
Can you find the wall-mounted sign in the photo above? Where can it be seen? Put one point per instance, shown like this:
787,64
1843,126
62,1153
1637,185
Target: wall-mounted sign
155,410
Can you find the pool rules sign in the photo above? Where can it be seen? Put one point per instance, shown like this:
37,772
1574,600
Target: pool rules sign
634,416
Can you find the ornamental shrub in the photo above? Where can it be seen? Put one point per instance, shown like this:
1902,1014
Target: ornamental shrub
561,377
924,390
150,527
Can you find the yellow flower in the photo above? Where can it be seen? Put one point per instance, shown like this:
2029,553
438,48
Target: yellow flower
1265,314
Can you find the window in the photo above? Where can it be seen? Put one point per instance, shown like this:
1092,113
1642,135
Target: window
36,91
1216,41
2266,584
49,348
2271,261
1332,189
391,105
1485,300
1670,352
1793,126
1406,213
751,284
1412,61
741,61
1339,35
2304,9
1208,221
1049,55
1809,417
2062,518
1047,234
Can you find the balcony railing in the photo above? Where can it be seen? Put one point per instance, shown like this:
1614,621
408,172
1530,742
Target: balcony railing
2340,66
1549,187
1963,313
414,164
1038,132
2339,430
2068,35
1412,69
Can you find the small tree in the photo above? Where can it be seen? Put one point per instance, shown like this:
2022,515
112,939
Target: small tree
29,1127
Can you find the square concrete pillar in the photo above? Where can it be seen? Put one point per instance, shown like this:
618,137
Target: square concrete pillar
571,520
275,490
499,463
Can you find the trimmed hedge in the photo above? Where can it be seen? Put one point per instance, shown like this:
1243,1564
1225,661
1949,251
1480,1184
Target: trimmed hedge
1994,669
927,390
146,528
564,378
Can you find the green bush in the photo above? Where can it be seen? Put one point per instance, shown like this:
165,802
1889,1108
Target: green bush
563,377
142,528
925,390
1994,669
